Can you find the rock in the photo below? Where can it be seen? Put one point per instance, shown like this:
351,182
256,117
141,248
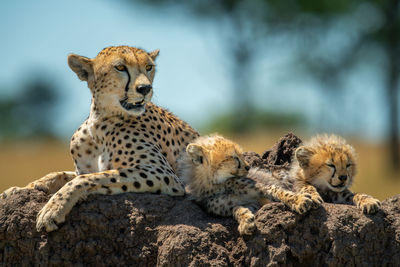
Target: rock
278,157
148,230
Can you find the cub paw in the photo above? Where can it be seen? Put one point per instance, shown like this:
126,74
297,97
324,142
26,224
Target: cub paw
303,203
48,217
10,191
317,201
369,205
247,225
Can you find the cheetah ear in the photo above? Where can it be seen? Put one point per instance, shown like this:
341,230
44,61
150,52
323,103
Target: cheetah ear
154,54
196,153
303,155
82,66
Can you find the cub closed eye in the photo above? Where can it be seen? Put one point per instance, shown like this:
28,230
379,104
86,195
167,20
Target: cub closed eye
238,162
149,67
120,68
331,166
348,165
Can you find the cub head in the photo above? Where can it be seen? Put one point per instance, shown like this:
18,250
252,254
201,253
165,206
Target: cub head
215,159
328,162
120,78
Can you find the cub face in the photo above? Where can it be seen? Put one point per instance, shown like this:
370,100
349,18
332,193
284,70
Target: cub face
328,162
218,158
120,78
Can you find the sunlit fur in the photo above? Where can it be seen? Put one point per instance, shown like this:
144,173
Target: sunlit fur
328,163
222,159
214,171
217,177
109,86
114,150
325,158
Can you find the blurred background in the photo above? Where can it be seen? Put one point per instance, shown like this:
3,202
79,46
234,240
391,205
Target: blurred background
251,70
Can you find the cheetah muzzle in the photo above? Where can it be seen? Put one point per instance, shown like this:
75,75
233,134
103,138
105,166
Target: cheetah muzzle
137,107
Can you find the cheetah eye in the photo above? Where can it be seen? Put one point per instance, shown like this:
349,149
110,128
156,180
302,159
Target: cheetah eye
331,166
149,67
348,165
120,68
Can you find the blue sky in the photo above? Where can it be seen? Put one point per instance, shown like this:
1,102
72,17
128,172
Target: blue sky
41,34
192,77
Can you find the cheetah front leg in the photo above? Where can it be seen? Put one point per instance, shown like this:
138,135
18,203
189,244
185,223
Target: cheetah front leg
138,179
364,202
306,188
245,217
236,205
50,183
300,203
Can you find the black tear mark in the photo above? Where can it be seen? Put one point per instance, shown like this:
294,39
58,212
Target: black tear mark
129,80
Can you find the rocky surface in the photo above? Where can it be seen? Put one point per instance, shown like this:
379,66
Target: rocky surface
148,230
278,157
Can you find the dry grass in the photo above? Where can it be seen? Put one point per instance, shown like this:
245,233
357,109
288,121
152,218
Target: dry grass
27,161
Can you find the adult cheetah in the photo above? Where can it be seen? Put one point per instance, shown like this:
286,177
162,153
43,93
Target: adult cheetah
127,144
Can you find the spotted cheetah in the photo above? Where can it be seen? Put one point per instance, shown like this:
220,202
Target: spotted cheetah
324,167
127,144
217,177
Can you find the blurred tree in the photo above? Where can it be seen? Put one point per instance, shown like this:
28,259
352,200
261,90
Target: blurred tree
371,25
260,121
388,36
240,34
245,25
30,111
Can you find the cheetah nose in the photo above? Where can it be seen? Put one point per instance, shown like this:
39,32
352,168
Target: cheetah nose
247,168
143,89
343,178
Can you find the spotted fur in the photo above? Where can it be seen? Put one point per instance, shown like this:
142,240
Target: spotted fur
324,167
127,144
216,174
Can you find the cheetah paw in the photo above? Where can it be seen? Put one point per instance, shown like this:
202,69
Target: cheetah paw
317,201
247,225
369,205
42,187
303,203
48,216
10,191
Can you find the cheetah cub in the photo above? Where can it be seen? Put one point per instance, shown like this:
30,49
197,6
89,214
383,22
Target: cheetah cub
216,175
325,167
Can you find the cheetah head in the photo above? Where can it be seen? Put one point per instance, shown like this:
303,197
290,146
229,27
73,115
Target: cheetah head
120,78
328,162
216,159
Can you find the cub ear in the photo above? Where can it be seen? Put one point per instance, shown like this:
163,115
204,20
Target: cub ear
303,155
154,54
196,153
82,66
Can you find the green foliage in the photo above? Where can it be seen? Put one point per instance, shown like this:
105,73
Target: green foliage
258,121
29,112
322,7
